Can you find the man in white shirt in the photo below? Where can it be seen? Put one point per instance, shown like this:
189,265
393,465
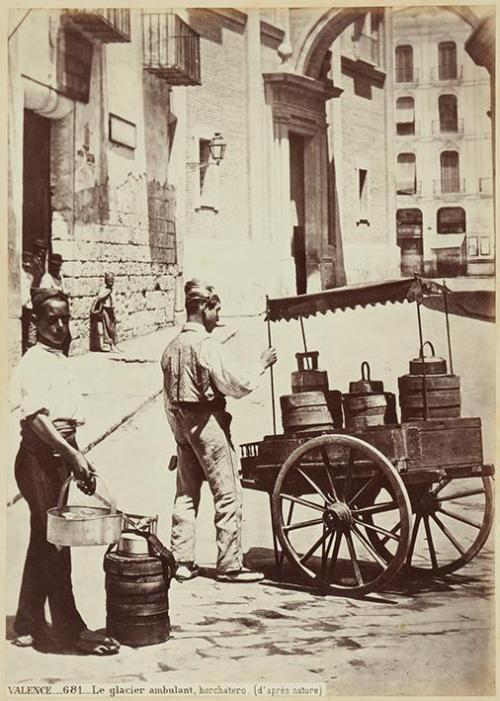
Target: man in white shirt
53,278
198,373
51,409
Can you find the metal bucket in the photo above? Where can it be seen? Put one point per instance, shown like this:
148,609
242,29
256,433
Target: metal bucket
83,525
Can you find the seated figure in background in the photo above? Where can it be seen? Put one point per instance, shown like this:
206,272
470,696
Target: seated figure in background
102,318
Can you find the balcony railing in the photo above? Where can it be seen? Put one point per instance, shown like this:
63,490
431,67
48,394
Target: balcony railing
446,74
367,48
407,77
451,186
171,48
448,126
402,190
485,186
108,25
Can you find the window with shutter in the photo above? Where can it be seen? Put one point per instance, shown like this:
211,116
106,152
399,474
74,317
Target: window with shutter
406,182
448,114
451,220
450,175
405,115
404,64
447,69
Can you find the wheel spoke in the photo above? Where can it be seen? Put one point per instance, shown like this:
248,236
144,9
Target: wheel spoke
328,468
371,483
376,508
302,524
325,553
430,543
414,534
290,513
348,476
447,533
354,558
304,502
371,526
313,484
461,495
335,553
441,485
314,547
394,530
461,518
369,547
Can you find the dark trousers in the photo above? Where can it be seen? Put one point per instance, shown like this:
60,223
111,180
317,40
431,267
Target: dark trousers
47,571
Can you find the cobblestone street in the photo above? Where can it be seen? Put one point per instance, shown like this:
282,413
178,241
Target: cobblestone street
418,638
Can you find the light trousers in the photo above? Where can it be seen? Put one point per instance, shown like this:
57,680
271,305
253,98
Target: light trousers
204,450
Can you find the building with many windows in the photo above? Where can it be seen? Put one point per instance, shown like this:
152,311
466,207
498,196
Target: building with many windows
113,119
443,137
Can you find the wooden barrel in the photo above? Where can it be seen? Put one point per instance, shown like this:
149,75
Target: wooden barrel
136,599
443,396
361,410
309,381
305,411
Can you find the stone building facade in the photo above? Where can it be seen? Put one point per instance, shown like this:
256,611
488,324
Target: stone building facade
89,167
443,160
111,116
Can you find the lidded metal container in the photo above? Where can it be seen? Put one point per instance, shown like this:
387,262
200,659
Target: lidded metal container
428,364
428,391
366,402
308,378
137,610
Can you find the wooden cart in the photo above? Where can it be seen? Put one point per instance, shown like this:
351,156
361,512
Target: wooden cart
352,509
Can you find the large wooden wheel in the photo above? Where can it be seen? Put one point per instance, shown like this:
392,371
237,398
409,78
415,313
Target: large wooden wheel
451,521
320,501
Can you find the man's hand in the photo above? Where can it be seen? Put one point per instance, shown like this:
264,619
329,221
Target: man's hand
82,471
268,357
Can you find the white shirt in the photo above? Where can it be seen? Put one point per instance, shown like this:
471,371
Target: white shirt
226,373
46,384
49,282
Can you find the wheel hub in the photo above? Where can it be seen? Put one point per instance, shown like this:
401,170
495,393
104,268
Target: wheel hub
337,515
426,504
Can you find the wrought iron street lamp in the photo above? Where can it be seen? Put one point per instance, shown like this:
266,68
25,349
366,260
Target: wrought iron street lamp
217,148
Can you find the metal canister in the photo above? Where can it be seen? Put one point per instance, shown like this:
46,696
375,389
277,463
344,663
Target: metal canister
136,598
428,391
366,403
308,378
428,364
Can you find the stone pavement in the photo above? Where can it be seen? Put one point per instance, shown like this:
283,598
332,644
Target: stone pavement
429,638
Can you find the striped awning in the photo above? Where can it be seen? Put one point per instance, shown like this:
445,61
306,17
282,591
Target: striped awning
350,297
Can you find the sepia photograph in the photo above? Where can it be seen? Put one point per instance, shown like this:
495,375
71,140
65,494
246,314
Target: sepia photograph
250,348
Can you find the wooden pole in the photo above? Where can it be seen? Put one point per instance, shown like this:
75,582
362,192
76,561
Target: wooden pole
421,354
271,368
450,357
303,333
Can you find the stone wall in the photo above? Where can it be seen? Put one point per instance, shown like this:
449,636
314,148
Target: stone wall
113,208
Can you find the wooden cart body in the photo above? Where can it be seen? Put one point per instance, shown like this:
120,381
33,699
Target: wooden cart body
413,463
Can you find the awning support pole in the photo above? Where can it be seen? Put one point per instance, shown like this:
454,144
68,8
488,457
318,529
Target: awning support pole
303,333
421,354
450,357
271,368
